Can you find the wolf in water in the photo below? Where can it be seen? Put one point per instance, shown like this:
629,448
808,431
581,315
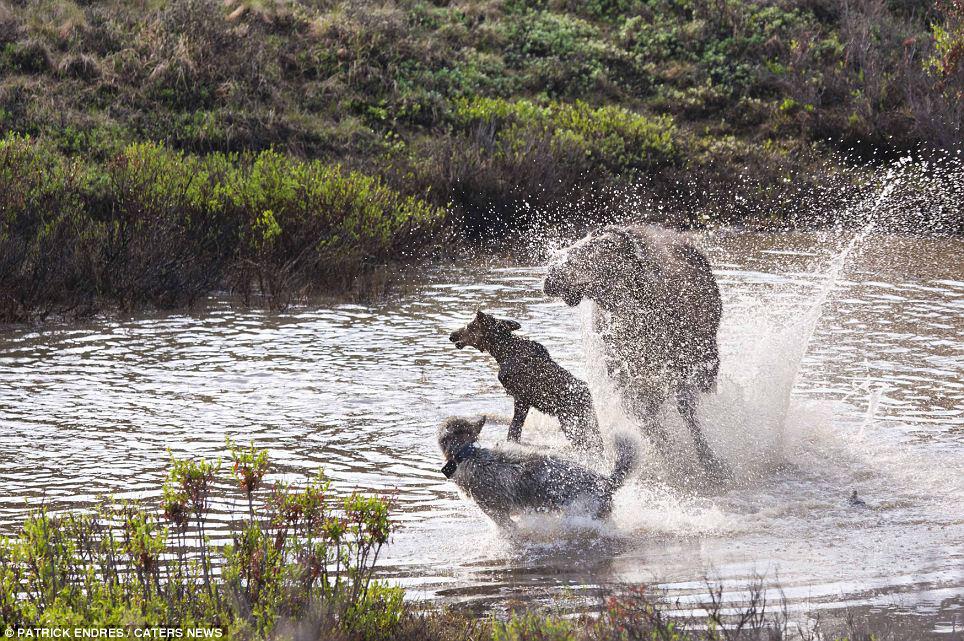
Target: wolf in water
533,379
504,482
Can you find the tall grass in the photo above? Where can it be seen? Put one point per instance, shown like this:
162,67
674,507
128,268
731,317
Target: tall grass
156,226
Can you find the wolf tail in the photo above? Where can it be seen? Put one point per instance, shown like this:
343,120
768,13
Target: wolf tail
627,455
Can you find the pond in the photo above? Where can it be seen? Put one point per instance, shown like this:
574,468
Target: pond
842,371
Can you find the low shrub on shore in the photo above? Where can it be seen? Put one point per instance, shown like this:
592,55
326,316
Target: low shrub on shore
155,226
304,556
500,154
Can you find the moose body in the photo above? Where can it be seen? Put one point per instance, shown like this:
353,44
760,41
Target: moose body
658,311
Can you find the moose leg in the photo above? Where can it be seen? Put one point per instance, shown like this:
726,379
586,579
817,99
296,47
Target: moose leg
645,408
518,418
686,401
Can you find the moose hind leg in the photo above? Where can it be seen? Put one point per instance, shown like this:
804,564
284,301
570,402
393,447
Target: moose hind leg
645,408
686,402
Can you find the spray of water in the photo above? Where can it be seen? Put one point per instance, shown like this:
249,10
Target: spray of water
754,419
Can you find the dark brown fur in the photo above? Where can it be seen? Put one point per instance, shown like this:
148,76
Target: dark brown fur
658,312
533,379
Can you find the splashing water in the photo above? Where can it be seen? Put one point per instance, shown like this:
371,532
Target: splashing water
841,370
797,453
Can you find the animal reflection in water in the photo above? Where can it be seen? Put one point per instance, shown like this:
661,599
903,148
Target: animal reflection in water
658,311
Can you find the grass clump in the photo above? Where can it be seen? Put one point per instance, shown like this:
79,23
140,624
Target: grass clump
29,57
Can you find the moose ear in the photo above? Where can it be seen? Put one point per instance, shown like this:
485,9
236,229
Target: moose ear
479,315
478,424
511,325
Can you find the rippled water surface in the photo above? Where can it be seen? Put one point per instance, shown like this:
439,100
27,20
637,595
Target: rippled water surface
864,392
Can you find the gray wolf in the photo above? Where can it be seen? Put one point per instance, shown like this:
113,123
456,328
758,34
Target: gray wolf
533,379
511,481
658,311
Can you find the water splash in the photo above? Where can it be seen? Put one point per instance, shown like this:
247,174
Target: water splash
755,419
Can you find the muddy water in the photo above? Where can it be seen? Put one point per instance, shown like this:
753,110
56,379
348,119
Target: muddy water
832,381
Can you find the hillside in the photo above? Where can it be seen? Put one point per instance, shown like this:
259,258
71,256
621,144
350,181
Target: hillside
707,110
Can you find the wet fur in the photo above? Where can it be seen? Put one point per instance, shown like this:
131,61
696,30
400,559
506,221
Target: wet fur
658,311
512,481
533,379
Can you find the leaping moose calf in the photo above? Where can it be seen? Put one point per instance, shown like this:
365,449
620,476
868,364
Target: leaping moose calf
533,379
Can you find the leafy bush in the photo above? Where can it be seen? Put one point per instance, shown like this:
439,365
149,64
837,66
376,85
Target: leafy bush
559,55
619,139
502,158
44,231
304,553
161,227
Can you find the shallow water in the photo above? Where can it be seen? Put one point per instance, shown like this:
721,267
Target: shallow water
833,380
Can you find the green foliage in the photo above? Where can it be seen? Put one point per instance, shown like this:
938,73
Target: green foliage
249,465
305,553
237,95
618,138
560,54
947,60
158,226
531,627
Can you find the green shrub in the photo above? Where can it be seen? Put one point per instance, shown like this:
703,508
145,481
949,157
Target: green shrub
657,40
613,136
304,553
44,231
532,627
559,55
160,227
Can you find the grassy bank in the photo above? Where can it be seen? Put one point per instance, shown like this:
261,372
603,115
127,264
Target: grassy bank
503,113
155,226
481,104
301,564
